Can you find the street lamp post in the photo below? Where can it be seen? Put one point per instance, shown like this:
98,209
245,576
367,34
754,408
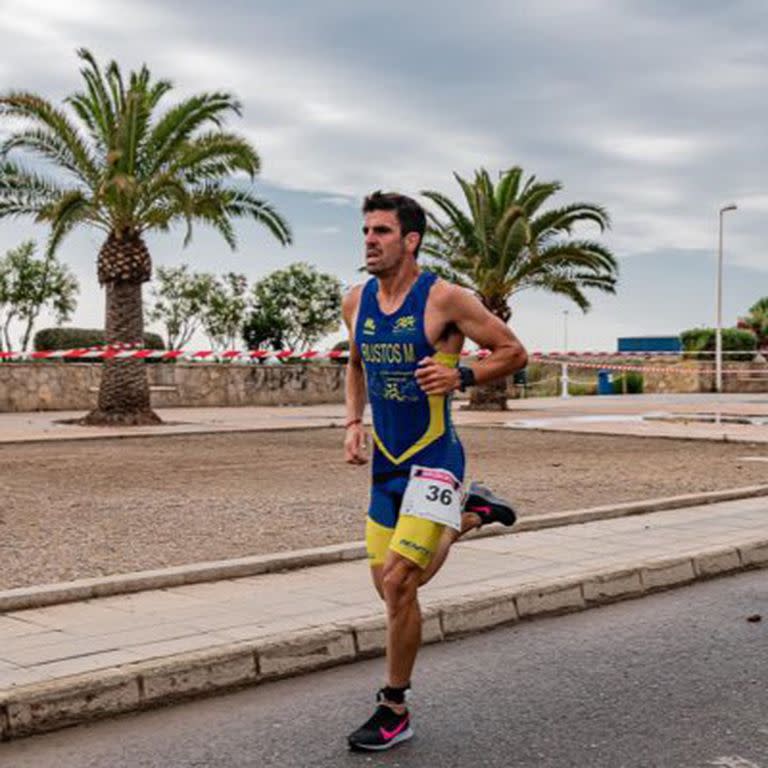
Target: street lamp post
719,318
565,331
564,366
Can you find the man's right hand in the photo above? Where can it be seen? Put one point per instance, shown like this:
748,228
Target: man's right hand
355,445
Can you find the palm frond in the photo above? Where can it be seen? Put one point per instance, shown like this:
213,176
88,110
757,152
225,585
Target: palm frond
23,192
216,155
179,123
65,214
564,219
243,204
29,106
99,98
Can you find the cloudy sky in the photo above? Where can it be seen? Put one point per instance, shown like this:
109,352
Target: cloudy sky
654,108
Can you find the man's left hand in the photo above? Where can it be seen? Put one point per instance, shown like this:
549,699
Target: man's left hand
435,378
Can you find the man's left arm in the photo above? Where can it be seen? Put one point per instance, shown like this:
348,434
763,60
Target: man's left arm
507,354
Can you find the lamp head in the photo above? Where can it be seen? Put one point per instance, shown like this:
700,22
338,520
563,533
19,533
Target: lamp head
729,207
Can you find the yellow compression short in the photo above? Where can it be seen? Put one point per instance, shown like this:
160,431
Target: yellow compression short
414,538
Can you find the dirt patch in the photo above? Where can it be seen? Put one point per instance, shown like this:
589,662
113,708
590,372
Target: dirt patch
79,509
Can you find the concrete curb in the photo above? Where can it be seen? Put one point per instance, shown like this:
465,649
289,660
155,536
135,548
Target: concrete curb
206,430
42,707
24,598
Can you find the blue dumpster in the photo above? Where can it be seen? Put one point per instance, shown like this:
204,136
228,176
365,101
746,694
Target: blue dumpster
604,382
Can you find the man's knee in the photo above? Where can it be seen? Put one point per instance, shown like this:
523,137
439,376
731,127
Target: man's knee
400,583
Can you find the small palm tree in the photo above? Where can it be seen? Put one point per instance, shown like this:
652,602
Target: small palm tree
507,243
757,321
123,166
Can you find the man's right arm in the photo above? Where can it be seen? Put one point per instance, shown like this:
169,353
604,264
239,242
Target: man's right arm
355,396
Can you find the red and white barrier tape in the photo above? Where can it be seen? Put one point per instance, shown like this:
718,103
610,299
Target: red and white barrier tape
124,353
644,368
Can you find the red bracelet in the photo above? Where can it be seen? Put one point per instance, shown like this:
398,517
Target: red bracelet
352,423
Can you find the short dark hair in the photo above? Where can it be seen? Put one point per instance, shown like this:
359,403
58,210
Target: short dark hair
410,214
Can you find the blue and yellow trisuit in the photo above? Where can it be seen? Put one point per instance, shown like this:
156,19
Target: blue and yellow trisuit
409,427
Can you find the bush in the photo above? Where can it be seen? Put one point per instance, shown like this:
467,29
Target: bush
340,346
579,388
77,338
634,383
702,340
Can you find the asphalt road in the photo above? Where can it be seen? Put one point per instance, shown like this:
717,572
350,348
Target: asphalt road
679,680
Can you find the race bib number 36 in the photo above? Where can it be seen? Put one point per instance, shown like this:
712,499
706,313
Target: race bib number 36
433,494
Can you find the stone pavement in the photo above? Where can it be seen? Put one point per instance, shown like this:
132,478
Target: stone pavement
73,662
623,415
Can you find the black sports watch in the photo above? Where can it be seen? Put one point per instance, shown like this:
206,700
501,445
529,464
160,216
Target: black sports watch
466,377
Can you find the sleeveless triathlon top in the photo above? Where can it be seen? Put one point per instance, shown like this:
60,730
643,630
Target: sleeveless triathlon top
409,427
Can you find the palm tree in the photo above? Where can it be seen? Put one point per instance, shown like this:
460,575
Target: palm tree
757,321
125,167
507,243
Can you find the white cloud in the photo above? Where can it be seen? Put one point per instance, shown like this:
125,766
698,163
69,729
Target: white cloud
653,149
758,203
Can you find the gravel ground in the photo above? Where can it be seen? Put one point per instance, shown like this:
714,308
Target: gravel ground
88,508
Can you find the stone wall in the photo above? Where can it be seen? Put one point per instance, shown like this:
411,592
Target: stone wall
681,378
689,377
59,386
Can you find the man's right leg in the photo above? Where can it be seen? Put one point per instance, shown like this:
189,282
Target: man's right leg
481,507
469,521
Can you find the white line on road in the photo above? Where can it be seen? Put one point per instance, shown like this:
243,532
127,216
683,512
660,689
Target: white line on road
734,762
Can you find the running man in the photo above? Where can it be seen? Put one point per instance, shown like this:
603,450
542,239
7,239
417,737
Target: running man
407,329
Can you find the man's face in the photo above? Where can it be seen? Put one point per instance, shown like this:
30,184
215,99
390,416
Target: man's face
385,247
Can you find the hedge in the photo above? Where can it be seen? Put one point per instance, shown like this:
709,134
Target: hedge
734,340
77,338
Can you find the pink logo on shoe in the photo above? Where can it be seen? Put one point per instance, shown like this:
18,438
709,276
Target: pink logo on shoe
387,735
483,510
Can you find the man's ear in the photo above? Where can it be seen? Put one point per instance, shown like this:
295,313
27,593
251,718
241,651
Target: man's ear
412,240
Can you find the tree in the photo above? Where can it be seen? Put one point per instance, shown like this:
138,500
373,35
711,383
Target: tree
127,168
29,285
224,311
303,303
700,343
180,299
506,244
264,327
757,321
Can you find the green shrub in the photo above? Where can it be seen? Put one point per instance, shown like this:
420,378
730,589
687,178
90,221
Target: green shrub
579,388
634,384
340,346
702,340
77,338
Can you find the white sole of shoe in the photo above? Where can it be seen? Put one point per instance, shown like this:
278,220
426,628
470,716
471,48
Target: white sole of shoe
402,736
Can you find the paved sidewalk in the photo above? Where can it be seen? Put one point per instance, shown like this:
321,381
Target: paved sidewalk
72,662
623,415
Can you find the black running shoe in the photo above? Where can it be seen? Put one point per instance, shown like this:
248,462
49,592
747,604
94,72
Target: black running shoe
385,729
489,508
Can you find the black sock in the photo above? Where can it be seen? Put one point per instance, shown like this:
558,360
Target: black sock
394,695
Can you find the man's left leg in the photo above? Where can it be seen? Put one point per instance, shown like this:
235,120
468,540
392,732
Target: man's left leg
401,580
414,543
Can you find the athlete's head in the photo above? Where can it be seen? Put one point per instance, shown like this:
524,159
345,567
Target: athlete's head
393,227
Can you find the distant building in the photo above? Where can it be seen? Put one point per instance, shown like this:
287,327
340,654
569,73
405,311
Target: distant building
650,344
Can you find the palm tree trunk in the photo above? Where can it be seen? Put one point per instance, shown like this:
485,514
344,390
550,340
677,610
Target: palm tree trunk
489,397
124,389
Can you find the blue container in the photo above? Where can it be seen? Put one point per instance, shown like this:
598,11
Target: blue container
604,382
651,344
